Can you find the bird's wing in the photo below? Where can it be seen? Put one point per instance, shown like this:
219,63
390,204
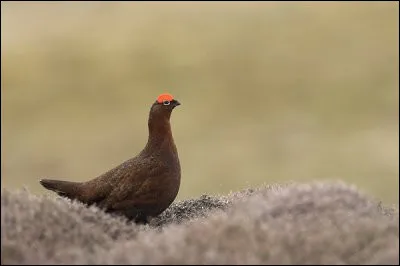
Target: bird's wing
135,185
99,189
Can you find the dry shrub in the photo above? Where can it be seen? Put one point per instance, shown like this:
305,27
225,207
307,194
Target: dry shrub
314,223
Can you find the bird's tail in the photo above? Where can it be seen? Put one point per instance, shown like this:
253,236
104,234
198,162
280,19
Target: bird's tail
63,188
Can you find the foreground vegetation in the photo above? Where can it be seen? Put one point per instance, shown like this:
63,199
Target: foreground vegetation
294,223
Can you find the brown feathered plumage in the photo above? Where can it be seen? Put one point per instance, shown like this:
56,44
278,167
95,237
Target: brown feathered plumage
141,187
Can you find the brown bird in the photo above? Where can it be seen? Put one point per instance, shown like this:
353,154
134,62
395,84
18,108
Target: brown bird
141,187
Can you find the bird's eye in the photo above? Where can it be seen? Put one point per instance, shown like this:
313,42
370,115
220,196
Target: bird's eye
166,102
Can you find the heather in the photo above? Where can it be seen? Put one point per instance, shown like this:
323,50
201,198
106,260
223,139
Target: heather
293,223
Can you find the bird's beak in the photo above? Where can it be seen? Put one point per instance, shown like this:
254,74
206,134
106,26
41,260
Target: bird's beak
176,103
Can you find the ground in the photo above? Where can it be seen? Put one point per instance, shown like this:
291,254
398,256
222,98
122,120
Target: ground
293,223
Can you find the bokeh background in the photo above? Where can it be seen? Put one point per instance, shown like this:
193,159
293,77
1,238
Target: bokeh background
270,91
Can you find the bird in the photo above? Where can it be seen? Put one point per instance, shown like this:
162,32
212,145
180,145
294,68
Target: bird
141,187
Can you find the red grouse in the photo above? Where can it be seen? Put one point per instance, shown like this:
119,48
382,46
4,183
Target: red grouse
141,187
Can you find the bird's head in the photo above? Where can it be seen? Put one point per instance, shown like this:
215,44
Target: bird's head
164,105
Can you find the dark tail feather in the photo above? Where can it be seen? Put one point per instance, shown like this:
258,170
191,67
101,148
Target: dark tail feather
63,188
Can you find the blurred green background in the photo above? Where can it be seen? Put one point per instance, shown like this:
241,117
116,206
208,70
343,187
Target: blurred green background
270,91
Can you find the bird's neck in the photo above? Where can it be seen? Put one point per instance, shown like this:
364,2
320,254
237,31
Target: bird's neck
160,134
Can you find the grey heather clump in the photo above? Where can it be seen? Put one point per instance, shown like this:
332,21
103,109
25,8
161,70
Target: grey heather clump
314,223
183,211
187,210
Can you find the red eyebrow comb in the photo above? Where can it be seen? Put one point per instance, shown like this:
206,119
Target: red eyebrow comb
164,97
